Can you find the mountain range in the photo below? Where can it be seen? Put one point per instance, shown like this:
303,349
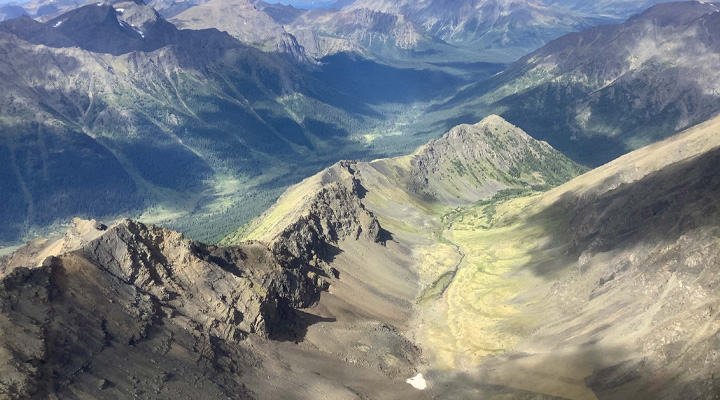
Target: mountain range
121,81
599,93
103,98
432,29
486,30
498,30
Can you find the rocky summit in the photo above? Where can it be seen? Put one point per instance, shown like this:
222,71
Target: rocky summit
82,311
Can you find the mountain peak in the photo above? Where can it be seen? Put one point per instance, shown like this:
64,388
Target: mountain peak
472,162
96,28
239,18
493,120
490,125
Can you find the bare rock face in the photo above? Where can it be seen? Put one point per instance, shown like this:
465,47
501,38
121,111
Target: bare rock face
168,267
24,303
288,45
123,288
335,213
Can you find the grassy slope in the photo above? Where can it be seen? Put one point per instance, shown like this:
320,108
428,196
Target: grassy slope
448,164
516,250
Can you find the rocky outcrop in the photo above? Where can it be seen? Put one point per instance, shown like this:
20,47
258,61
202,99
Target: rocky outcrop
288,46
237,295
119,286
335,213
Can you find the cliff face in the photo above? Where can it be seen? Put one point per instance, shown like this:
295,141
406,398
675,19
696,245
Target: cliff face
125,287
336,213
313,217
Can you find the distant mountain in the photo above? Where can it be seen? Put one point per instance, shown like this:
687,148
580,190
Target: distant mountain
376,33
10,11
112,109
43,8
602,92
515,27
620,9
239,18
309,4
243,21
171,8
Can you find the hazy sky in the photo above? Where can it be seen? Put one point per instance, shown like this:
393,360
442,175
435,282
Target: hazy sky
296,3
305,3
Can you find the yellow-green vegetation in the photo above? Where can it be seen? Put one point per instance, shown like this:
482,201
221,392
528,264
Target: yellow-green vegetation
437,269
507,241
480,313
473,261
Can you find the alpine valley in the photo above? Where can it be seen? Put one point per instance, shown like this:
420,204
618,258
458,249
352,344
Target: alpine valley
371,199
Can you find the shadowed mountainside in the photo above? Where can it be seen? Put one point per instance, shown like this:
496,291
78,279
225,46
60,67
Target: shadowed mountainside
600,93
111,110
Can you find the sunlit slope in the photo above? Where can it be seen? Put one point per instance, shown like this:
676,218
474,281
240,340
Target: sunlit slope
601,287
469,163
375,230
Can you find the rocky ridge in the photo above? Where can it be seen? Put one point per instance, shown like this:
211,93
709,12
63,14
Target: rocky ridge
116,287
330,212
469,163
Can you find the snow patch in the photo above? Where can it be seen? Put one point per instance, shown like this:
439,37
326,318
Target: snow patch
99,4
120,10
418,382
138,31
57,24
